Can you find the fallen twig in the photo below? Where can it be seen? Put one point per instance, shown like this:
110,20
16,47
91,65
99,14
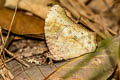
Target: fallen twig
21,61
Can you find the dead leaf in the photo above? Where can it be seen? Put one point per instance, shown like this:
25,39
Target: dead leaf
38,7
23,24
2,3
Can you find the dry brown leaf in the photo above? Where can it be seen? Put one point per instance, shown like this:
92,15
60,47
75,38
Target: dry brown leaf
2,3
38,7
23,24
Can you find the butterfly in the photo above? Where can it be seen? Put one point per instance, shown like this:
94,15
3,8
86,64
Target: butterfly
66,39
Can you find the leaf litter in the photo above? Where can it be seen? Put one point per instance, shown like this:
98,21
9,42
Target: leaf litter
98,22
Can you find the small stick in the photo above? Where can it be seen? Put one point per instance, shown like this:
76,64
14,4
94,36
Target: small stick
21,61
10,59
11,24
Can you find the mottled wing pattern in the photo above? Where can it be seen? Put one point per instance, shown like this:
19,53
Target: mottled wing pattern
64,38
